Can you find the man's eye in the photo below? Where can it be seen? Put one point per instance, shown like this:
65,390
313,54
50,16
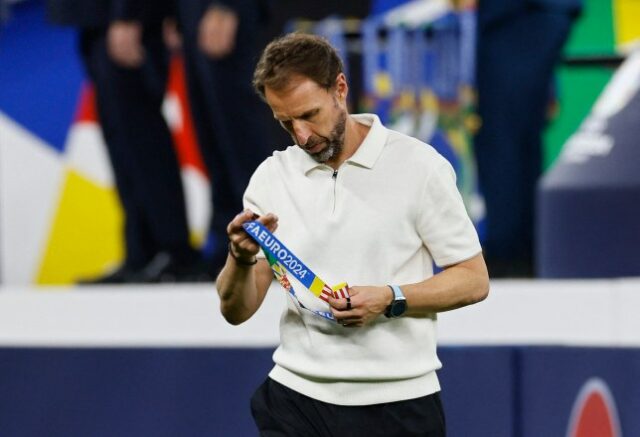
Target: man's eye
308,117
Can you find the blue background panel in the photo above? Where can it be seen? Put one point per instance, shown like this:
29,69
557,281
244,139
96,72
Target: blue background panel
553,376
129,392
479,390
40,73
487,391
198,392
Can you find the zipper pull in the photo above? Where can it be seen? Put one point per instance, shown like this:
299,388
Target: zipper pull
335,174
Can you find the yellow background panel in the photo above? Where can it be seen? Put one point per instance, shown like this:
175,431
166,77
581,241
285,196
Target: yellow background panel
85,238
627,21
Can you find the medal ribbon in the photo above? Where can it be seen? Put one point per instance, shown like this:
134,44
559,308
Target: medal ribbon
281,260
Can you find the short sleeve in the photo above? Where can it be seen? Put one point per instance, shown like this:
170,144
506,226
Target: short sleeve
443,222
256,196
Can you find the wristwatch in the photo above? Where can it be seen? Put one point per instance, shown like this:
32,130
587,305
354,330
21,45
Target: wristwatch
398,304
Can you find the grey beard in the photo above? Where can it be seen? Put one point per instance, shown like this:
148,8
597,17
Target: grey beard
335,141
327,153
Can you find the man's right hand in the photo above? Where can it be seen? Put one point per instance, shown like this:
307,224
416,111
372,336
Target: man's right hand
171,35
242,246
243,283
124,43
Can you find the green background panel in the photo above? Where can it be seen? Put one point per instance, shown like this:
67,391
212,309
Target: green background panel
593,32
579,86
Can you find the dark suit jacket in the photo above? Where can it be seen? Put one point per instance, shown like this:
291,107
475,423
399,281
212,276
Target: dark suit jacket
99,13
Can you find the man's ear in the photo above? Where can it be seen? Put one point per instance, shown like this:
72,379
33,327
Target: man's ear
342,88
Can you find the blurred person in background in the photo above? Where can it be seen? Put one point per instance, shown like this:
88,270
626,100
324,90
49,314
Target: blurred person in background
221,43
519,43
124,55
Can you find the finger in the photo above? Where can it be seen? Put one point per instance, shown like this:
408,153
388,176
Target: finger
270,221
350,323
341,304
239,239
236,224
243,241
346,315
353,325
245,244
246,247
246,215
254,216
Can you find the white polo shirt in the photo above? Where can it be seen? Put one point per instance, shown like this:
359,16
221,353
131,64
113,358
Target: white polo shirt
390,211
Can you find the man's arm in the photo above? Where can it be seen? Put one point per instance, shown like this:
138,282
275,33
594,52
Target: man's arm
458,285
243,283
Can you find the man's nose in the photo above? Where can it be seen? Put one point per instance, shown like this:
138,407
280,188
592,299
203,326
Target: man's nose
302,131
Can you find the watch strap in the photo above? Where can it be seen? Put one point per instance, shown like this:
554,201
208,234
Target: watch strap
398,295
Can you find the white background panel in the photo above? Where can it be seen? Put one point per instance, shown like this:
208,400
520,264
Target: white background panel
627,304
197,193
31,173
144,315
86,153
572,313
531,312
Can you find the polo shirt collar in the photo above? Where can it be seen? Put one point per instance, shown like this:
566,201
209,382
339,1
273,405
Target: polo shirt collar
369,150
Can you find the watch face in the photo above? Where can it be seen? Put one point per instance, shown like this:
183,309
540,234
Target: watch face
398,308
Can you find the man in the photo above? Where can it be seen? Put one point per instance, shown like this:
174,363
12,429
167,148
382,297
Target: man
125,57
220,45
363,204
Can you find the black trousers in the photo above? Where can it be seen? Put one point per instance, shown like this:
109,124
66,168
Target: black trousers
279,411
229,118
515,62
140,148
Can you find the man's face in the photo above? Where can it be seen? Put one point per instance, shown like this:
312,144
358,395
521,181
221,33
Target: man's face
314,116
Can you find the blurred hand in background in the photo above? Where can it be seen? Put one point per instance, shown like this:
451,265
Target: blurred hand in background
217,32
171,34
124,43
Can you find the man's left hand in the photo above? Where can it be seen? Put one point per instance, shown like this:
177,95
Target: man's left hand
363,306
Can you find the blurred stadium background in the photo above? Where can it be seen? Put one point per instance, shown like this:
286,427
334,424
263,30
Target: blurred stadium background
553,356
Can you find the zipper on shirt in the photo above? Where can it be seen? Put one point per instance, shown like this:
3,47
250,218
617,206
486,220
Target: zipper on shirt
335,180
